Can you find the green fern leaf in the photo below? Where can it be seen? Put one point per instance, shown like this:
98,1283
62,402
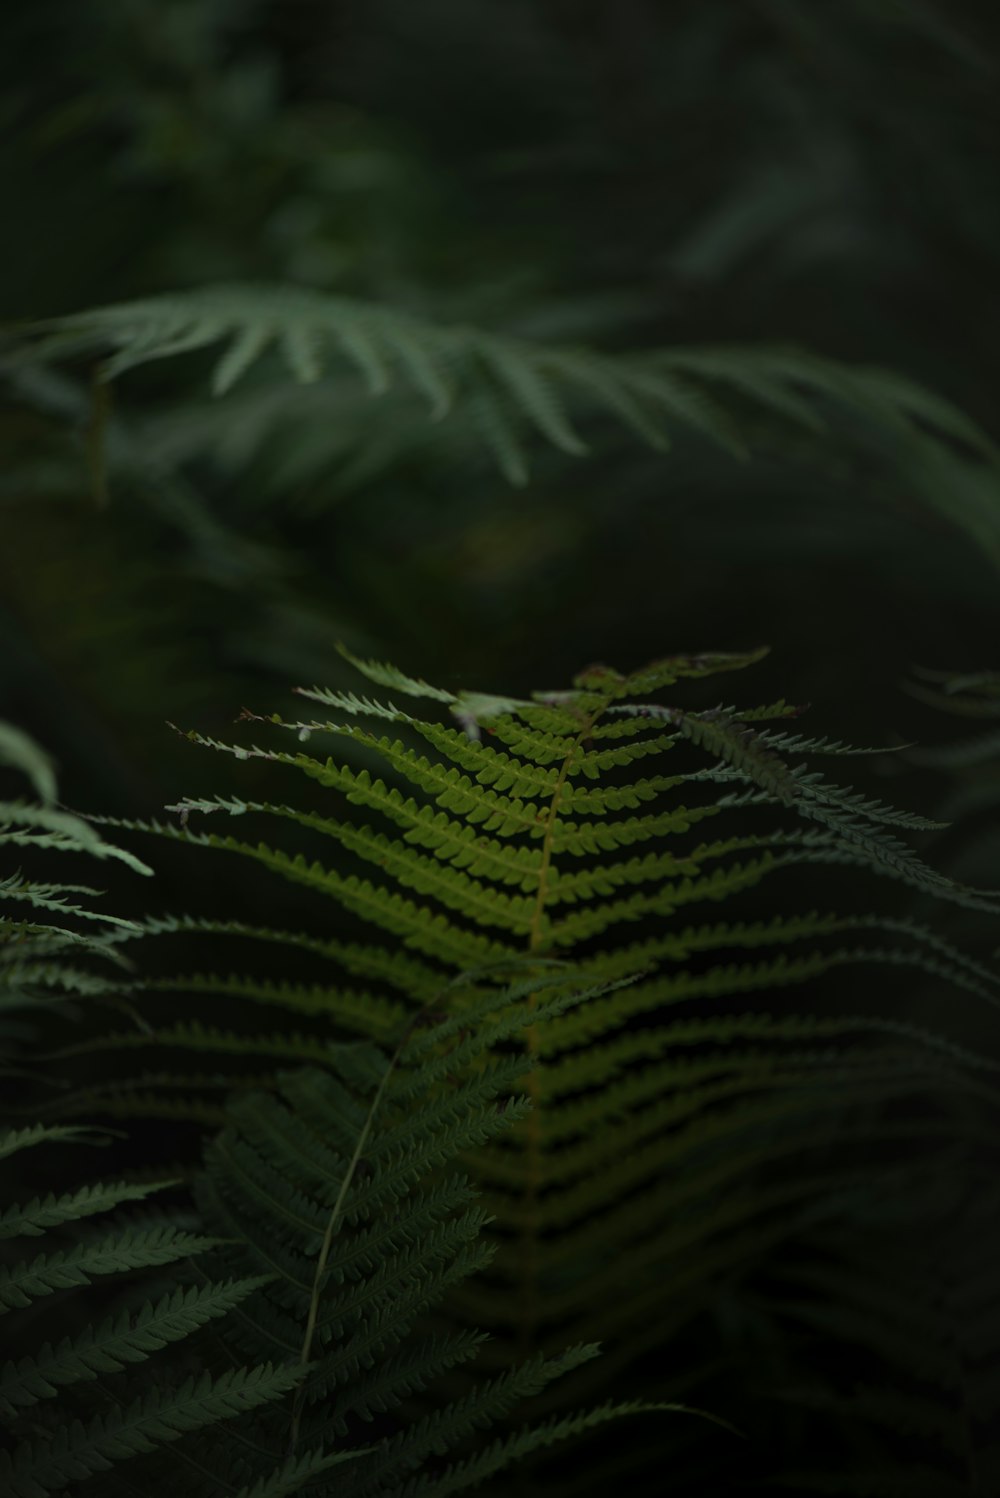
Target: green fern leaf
292,1476
114,1344
116,1253
14,1140
460,1476
160,1418
37,1216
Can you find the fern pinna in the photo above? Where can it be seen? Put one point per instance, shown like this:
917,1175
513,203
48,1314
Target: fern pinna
332,1219
545,831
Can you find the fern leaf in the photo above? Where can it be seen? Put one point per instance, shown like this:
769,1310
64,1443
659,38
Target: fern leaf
118,1342
36,1469
600,380
441,1431
37,1216
359,1010
531,392
498,424
505,386
397,969
14,1140
537,895
137,1248
459,1476
389,676
292,1476
20,752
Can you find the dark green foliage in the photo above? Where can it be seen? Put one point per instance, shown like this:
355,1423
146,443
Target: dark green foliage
55,948
302,158
63,1424
498,390
675,1124
348,1196
551,332
900,1352
332,1219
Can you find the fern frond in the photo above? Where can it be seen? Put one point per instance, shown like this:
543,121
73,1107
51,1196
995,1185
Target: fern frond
356,1009
118,1342
439,1432
34,1218
54,897
160,1418
12,1141
292,1476
59,1435
544,871
390,676
59,831
460,1476
340,1188
398,969
67,1269
43,963
510,390
20,752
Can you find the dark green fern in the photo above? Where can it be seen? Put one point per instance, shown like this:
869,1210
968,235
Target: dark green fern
349,1196
69,1415
332,1220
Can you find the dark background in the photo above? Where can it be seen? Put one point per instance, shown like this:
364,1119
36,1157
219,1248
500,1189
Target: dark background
633,176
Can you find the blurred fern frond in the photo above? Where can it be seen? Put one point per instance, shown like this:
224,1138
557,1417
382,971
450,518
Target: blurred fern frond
503,390
972,694
51,933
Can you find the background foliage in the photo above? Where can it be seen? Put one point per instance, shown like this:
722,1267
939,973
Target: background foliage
749,174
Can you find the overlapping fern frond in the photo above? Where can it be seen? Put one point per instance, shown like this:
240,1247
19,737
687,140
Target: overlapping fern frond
343,1186
110,1391
55,948
332,1220
546,830
507,392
